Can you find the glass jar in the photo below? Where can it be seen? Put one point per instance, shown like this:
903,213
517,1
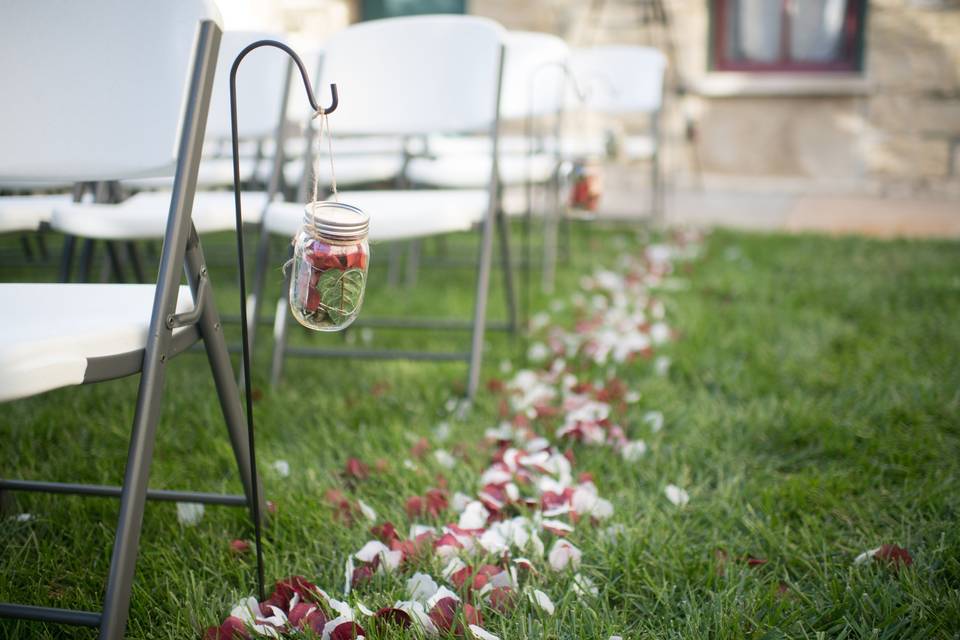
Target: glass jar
330,260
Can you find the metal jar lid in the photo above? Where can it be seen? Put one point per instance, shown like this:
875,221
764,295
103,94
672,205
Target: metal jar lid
336,220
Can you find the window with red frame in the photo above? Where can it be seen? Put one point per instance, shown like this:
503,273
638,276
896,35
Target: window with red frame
788,35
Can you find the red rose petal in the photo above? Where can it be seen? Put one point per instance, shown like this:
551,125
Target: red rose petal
414,506
239,546
443,614
385,532
503,599
347,631
421,447
356,469
393,616
895,556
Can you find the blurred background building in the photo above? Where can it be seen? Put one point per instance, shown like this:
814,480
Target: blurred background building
777,99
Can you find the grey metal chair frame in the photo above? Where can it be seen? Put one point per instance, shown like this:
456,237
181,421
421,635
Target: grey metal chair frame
181,250
477,325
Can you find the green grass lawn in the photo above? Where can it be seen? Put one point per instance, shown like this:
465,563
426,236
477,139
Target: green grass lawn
811,411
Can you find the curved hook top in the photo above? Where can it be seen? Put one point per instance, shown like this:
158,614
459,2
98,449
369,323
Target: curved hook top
334,97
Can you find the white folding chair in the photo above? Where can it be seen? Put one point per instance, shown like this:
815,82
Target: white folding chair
533,86
262,88
137,76
413,76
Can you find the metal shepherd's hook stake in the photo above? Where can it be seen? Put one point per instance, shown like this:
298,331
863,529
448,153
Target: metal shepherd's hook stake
235,139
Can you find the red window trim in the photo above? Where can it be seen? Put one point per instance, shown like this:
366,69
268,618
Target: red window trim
851,44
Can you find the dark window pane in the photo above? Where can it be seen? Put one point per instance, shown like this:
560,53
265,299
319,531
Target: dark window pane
374,9
816,30
754,30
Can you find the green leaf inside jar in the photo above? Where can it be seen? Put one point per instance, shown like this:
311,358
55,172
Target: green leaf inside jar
340,293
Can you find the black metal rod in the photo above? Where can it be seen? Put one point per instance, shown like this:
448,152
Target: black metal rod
106,491
235,141
50,614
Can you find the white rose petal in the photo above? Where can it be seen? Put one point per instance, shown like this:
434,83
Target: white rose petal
564,554
543,601
282,467
474,516
421,587
676,495
481,633
654,419
367,511
633,450
444,459
189,513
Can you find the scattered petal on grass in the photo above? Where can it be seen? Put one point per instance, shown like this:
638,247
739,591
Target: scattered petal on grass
543,601
421,587
563,555
189,513
654,419
584,587
891,554
239,546
367,511
634,450
661,366
676,495
356,469
444,459
482,634
282,467
24,517
441,432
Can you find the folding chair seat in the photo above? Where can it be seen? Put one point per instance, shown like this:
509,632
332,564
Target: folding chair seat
469,171
122,63
397,215
142,216
41,351
29,212
351,169
409,78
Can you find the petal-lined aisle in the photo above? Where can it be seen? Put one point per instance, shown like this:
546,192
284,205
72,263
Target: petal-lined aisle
510,542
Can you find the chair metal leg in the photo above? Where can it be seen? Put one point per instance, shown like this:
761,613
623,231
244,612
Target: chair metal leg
280,322
87,253
42,245
480,302
393,264
114,258
255,298
133,254
413,264
66,258
133,497
26,247
551,217
211,331
507,268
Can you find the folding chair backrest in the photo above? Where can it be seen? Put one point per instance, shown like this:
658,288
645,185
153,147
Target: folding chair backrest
414,75
533,74
620,78
261,80
94,90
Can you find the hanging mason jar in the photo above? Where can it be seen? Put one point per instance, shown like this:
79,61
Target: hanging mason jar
330,260
587,186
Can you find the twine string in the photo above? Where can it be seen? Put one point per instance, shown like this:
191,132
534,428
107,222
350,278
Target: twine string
324,124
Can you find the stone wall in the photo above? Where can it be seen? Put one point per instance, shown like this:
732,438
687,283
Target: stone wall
894,129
